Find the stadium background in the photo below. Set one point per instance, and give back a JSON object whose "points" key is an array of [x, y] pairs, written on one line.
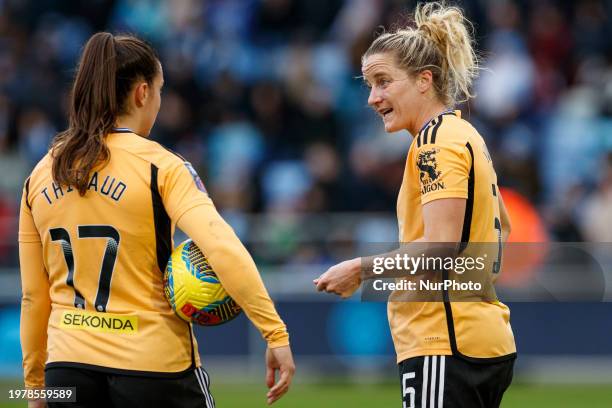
{"points": [[262, 96]]}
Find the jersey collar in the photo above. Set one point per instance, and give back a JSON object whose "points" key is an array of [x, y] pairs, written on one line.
{"points": [[122, 130], [446, 112]]}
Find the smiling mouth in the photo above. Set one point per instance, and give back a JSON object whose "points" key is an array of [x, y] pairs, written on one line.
{"points": [[385, 112]]}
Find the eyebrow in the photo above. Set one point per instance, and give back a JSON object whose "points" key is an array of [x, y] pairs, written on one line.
{"points": [[379, 74], [375, 76]]}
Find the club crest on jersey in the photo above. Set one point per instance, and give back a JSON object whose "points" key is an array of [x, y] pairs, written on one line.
{"points": [[196, 178], [428, 171]]}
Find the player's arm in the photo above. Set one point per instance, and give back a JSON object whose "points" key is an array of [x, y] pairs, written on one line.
{"points": [[235, 268], [239, 276], [505, 220], [187, 202], [443, 219], [443, 225], [35, 300], [443, 212]]}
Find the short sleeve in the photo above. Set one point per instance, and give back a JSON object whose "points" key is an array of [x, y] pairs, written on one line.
{"points": [[182, 190], [443, 171], [27, 228]]}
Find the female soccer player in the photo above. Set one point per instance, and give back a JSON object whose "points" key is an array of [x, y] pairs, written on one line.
{"points": [[450, 354], [96, 223]]}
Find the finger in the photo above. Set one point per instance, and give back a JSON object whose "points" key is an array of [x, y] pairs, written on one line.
{"points": [[321, 285], [345, 293], [329, 288], [283, 382], [278, 391], [287, 375], [280, 384], [273, 398], [270, 376]]}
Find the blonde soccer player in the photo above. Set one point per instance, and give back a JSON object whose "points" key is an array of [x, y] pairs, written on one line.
{"points": [[450, 354]]}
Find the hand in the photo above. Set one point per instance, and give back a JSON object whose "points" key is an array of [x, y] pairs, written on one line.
{"points": [[342, 279], [281, 359], [37, 403]]}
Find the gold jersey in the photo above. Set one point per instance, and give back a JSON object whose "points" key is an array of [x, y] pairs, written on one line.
{"points": [[99, 260], [449, 159]]}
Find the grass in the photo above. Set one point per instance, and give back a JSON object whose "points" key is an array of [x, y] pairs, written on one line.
{"points": [[388, 395], [339, 395]]}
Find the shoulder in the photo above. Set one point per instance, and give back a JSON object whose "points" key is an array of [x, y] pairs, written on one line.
{"points": [[446, 131], [146, 149], [448, 139], [449, 134], [164, 157], [454, 129], [42, 168]]}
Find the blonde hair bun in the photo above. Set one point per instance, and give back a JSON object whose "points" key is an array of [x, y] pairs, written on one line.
{"points": [[440, 40]]}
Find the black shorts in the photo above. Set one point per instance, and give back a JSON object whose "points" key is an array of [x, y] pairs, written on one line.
{"points": [[97, 389], [453, 382]]}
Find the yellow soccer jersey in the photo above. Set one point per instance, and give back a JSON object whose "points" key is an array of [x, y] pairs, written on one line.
{"points": [[449, 159], [103, 257]]}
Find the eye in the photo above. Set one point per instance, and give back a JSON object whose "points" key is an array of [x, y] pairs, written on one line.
{"points": [[384, 82]]}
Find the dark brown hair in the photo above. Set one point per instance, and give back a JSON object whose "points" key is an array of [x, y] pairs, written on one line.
{"points": [[108, 68]]}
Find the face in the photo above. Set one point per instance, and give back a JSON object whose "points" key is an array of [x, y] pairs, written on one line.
{"points": [[146, 103], [394, 94], [151, 102]]}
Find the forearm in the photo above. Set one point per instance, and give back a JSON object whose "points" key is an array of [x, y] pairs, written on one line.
{"points": [[236, 270], [419, 248], [35, 310], [33, 334]]}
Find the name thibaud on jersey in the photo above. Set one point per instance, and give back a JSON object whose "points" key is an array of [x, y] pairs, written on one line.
{"points": [[110, 187]]}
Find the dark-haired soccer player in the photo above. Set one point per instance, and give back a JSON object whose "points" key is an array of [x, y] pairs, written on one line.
{"points": [[96, 223]]}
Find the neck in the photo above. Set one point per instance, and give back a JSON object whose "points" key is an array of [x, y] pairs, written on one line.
{"points": [[129, 122], [428, 112]]}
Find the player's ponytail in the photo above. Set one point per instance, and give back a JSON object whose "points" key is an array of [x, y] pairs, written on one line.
{"points": [[108, 67], [439, 40]]}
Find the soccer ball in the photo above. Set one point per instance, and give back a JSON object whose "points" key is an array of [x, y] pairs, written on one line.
{"points": [[194, 291]]}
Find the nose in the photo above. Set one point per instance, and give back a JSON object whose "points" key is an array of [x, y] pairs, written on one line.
{"points": [[374, 98]]}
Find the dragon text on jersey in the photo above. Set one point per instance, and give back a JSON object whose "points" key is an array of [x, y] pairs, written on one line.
{"points": [[429, 173], [106, 185]]}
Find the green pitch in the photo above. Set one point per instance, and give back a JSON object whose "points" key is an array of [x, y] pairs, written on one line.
{"points": [[387, 395]]}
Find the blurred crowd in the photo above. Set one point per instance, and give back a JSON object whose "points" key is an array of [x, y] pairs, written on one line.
{"points": [[264, 98]]}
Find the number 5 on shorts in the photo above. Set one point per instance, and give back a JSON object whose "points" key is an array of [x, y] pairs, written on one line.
{"points": [[408, 393]]}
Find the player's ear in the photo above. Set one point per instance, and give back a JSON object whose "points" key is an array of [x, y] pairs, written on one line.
{"points": [[141, 93], [424, 80]]}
